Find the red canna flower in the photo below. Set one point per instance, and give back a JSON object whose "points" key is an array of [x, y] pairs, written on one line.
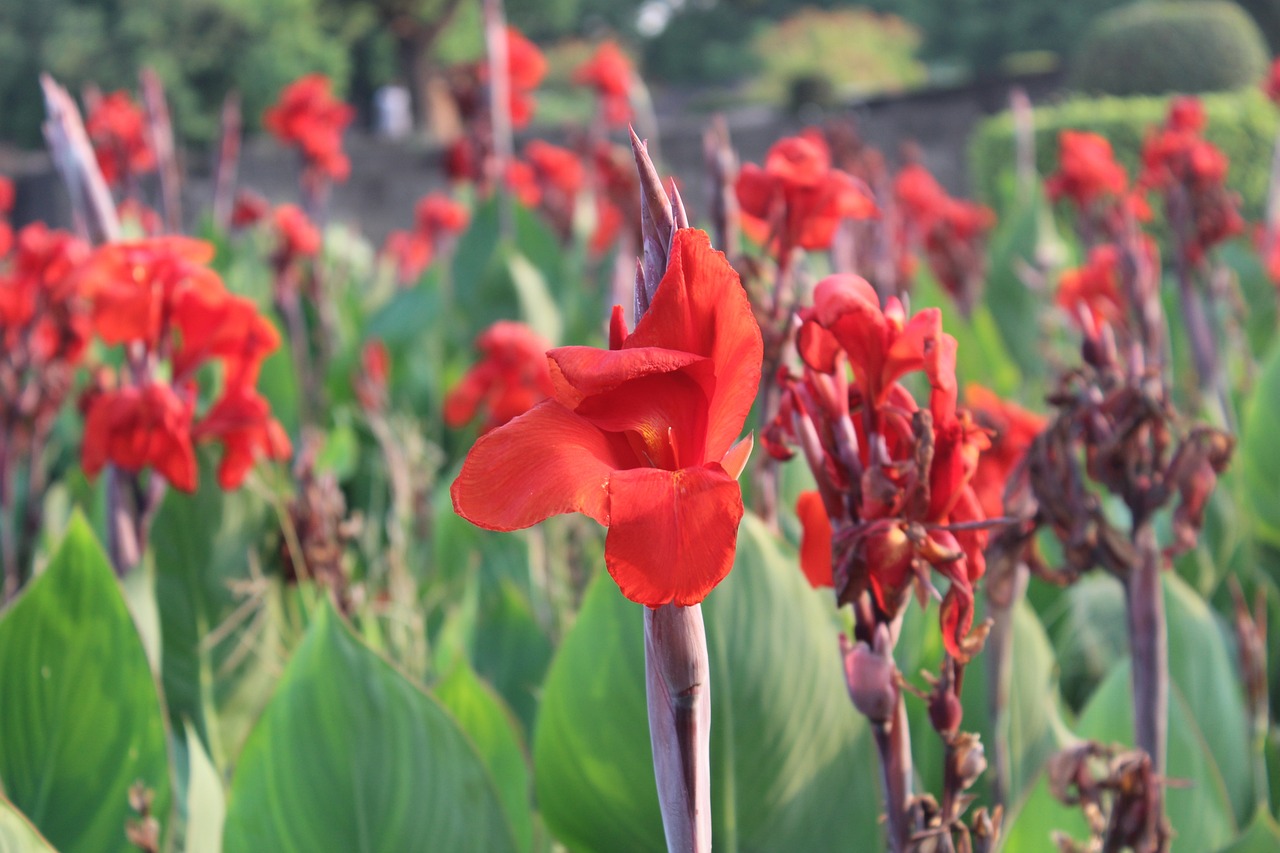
{"points": [[1094, 289], [640, 438], [918, 193], [881, 344], [136, 427], [220, 325], [509, 380], [1012, 429], [411, 253], [526, 66], [136, 215], [241, 420], [558, 170], [132, 285], [797, 199], [1087, 169], [310, 118], [250, 208], [118, 130], [438, 215], [523, 183], [298, 237], [610, 73]]}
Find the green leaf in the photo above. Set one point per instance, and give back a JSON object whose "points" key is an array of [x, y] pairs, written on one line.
{"points": [[201, 543], [489, 723], [1201, 813], [81, 719], [792, 764], [206, 800], [1032, 821], [1258, 456], [407, 313], [350, 755], [17, 835], [1262, 836]]}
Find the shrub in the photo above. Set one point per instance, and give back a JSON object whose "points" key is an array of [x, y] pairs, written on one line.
{"points": [[1154, 48], [1242, 124]]}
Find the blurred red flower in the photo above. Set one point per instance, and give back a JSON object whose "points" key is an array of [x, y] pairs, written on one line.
{"points": [[250, 208], [640, 438], [241, 420], [526, 66], [1271, 85], [511, 378], [1094, 289], [217, 324], [1087, 169], [298, 237], [136, 427], [438, 215], [1012, 429], [797, 199], [310, 118], [609, 72], [118, 129]]}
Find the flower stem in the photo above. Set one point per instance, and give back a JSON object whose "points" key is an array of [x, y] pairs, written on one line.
{"points": [[1149, 648], [893, 741], [999, 653], [678, 687]]}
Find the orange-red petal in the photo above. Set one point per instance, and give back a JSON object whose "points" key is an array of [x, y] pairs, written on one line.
{"points": [[672, 534], [546, 462], [815, 545]]}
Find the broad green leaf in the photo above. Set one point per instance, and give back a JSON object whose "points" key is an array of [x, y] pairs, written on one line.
{"points": [[206, 800], [407, 313], [1202, 666], [537, 307], [1262, 836], [793, 767], [1201, 812], [17, 835], [200, 544], [81, 719], [1087, 623], [1258, 456], [1032, 821], [493, 729], [350, 755]]}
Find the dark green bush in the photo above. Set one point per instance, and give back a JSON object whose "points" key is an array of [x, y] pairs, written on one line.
{"points": [[1153, 48], [1266, 14], [1242, 124]]}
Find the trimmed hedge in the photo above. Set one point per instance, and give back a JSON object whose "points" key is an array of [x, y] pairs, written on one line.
{"points": [[1242, 124], [1154, 48]]}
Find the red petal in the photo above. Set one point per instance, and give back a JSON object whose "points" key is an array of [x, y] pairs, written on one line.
{"points": [[700, 307], [736, 459], [673, 533], [546, 462], [755, 191], [815, 546], [580, 372]]}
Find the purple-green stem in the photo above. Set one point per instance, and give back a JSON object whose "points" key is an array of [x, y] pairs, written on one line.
{"points": [[678, 686], [893, 742], [676, 665], [228, 160], [161, 133], [495, 37], [1149, 653]]}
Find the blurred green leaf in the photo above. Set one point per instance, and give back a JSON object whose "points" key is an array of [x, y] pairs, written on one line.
{"points": [[206, 800], [1201, 813], [349, 755], [489, 723], [340, 453], [1033, 820], [17, 835], [1262, 836], [792, 763], [411, 310], [81, 720], [1258, 455]]}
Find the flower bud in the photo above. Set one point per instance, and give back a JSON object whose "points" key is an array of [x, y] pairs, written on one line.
{"points": [[872, 680]]}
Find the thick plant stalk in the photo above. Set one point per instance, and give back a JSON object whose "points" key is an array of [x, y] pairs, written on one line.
{"points": [[678, 686], [228, 160], [161, 130], [92, 208], [495, 37], [999, 652], [1149, 652], [676, 665]]}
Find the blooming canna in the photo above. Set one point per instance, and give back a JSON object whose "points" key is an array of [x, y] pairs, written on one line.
{"points": [[639, 437]]}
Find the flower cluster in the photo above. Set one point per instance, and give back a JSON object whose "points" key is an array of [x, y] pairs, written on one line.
{"points": [[309, 118], [118, 129], [549, 178], [639, 437], [159, 300], [1191, 172], [44, 330], [437, 220], [894, 480], [950, 231], [797, 199], [609, 72], [526, 66], [510, 379]]}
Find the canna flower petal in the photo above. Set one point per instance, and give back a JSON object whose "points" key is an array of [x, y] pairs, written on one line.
{"points": [[546, 462], [672, 534], [701, 308], [815, 544]]}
